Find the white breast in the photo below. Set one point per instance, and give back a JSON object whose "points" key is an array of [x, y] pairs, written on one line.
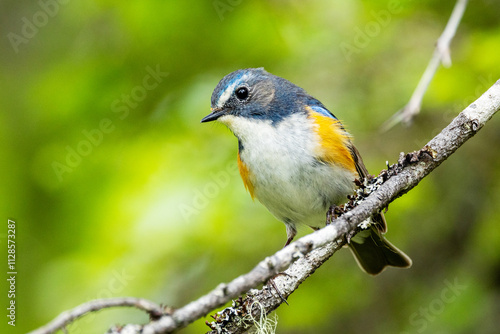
{"points": [[287, 178]]}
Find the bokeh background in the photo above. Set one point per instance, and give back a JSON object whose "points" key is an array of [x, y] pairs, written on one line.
{"points": [[118, 190]]}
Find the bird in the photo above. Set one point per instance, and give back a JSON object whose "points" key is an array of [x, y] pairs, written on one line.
{"points": [[297, 159]]}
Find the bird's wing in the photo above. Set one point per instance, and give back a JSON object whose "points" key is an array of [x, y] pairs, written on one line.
{"points": [[379, 219]]}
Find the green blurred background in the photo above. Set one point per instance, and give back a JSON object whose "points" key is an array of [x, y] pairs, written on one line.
{"points": [[118, 190]]}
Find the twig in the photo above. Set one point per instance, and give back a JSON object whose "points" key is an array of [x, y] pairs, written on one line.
{"points": [[309, 252], [69, 316], [441, 55]]}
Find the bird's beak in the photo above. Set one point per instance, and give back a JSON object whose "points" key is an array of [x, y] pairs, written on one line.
{"points": [[214, 115]]}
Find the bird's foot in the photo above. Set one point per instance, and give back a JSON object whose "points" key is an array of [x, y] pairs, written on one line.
{"points": [[333, 213]]}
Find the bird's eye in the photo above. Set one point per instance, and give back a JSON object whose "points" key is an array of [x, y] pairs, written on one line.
{"points": [[242, 93]]}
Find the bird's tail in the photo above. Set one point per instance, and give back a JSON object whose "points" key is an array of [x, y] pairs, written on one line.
{"points": [[373, 252]]}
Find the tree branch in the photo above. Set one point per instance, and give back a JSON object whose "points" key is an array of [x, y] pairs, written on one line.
{"points": [[305, 255], [69, 316], [441, 55]]}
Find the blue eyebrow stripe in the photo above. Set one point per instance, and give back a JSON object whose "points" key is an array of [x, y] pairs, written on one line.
{"points": [[238, 75]]}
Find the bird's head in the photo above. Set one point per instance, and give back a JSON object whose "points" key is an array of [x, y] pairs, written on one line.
{"points": [[255, 94]]}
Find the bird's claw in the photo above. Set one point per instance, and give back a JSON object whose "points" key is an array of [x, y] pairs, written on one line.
{"points": [[333, 213]]}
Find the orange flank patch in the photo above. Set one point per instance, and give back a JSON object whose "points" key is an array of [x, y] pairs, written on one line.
{"points": [[245, 176], [334, 141]]}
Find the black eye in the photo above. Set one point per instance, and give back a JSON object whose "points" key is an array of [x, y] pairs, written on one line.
{"points": [[242, 93]]}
